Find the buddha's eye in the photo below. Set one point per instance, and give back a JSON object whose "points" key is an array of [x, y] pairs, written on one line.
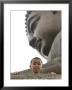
{"points": [[32, 23]]}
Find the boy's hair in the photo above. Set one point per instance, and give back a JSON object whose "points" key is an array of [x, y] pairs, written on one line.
{"points": [[35, 58]]}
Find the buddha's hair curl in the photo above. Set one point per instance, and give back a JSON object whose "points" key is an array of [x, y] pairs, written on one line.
{"points": [[26, 17]]}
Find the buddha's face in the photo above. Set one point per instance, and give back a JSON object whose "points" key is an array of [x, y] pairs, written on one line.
{"points": [[42, 28]]}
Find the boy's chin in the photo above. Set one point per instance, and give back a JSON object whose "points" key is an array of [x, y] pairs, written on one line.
{"points": [[36, 71]]}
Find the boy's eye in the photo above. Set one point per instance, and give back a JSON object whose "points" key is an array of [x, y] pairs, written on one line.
{"points": [[36, 63]]}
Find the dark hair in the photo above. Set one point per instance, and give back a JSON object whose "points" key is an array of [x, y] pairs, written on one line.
{"points": [[35, 58]]}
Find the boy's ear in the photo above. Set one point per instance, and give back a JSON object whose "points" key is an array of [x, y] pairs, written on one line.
{"points": [[30, 66]]}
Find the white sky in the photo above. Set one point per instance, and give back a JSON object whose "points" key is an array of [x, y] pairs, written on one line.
{"points": [[21, 52]]}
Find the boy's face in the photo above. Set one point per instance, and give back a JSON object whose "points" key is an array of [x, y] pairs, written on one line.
{"points": [[36, 66]]}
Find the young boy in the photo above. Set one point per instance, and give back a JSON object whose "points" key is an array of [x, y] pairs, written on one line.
{"points": [[36, 65]]}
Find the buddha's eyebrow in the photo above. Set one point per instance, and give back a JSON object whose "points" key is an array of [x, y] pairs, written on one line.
{"points": [[30, 20]]}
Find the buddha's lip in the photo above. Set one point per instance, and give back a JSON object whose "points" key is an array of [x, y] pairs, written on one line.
{"points": [[38, 45]]}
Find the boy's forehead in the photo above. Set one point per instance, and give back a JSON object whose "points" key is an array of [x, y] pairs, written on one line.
{"points": [[36, 60]]}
